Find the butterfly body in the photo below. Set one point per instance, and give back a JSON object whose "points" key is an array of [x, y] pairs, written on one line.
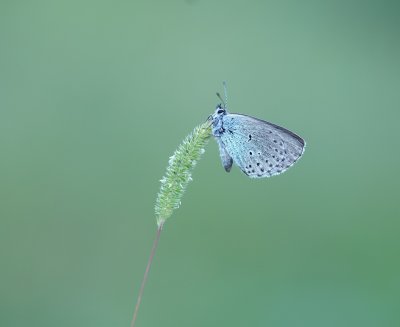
{"points": [[259, 148]]}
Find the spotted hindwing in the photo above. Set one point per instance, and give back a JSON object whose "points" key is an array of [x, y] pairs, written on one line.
{"points": [[260, 148]]}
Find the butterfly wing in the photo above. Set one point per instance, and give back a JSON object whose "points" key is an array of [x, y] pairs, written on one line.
{"points": [[260, 148], [225, 157]]}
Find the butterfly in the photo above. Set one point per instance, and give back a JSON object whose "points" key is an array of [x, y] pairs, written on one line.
{"points": [[259, 148]]}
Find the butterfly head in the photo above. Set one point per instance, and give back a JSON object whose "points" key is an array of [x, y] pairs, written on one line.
{"points": [[217, 119], [220, 110]]}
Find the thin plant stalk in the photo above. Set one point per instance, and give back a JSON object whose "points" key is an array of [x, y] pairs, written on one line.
{"points": [[146, 274], [173, 185]]}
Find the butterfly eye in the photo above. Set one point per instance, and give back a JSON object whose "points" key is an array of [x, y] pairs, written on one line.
{"points": [[220, 111]]}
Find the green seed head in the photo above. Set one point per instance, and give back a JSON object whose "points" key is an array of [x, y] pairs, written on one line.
{"points": [[178, 174]]}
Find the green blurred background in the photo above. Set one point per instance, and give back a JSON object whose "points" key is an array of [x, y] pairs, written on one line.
{"points": [[96, 95]]}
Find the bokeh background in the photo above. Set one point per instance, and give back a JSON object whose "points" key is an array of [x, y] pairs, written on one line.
{"points": [[96, 95]]}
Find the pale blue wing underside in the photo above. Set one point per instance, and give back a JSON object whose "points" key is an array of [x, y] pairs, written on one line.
{"points": [[259, 148]]}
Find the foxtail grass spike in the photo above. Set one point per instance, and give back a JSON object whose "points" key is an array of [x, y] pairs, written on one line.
{"points": [[178, 174]]}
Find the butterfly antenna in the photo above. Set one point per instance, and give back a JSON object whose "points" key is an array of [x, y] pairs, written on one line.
{"points": [[225, 103], [219, 97], [225, 93]]}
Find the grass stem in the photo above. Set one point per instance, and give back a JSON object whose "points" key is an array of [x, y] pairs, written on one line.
{"points": [[146, 274]]}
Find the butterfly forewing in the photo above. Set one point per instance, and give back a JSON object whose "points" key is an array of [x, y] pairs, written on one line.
{"points": [[260, 148]]}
